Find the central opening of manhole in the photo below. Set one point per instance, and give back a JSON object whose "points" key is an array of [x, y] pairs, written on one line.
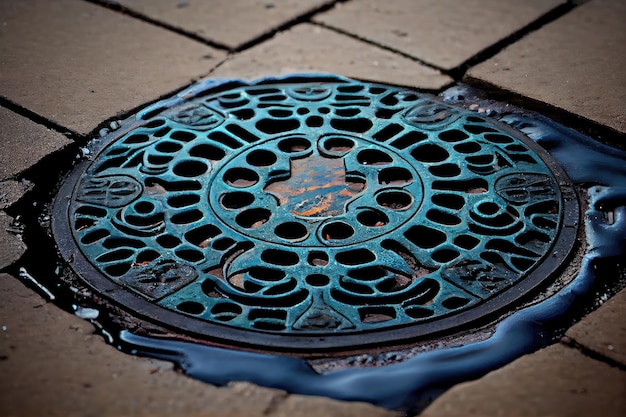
{"points": [[308, 214]]}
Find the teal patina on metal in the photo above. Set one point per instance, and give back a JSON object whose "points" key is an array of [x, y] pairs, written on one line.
{"points": [[299, 213]]}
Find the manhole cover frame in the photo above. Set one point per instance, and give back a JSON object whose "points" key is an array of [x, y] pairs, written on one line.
{"points": [[545, 269]]}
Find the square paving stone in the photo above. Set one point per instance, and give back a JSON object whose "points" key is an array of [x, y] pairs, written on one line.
{"points": [[604, 330], [444, 33], [310, 48], [11, 246], [227, 22], [576, 63], [556, 381], [24, 143], [78, 64]]}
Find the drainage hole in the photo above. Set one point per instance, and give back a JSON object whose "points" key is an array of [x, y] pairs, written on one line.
{"points": [[396, 176], [443, 218], [201, 236], [143, 207], [293, 145], [453, 135], [182, 135], [187, 217], [190, 255], [372, 218], [444, 255], [168, 241], [394, 200], [445, 170], [236, 200], [452, 201], [190, 307], [373, 157], [207, 152], [355, 257], [337, 230], [488, 208], [167, 146], [314, 121], [280, 257], [252, 218], [115, 255], [291, 231], [241, 177], [418, 312], [453, 303], [183, 200], [94, 236], [376, 314], [117, 270], [466, 241], [136, 138], [317, 280], [338, 145], [430, 153], [498, 138], [226, 311], [261, 158], [190, 169], [317, 258], [223, 243], [266, 274], [147, 255]]}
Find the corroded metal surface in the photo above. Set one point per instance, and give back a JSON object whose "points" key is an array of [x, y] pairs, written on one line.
{"points": [[301, 213]]}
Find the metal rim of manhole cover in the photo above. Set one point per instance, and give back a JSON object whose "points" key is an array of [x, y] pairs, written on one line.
{"points": [[313, 213]]}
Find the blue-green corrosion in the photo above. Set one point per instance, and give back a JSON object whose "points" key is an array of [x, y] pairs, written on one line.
{"points": [[321, 206], [414, 382]]}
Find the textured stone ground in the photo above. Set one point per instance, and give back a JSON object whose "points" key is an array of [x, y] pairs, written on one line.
{"points": [[67, 66]]}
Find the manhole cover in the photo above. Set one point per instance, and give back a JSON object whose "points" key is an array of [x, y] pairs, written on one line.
{"points": [[315, 213]]}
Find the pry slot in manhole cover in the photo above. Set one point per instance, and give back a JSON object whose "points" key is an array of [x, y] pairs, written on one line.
{"points": [[315, 213]]}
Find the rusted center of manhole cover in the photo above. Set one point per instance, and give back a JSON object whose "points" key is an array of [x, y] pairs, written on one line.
{"points": [[314, 214]]}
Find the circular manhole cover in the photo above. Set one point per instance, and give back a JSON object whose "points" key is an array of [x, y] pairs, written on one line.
{"points": [[308, 214]]}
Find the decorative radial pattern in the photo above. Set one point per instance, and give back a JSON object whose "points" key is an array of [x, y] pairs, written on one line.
{"points": [[316, 207]]}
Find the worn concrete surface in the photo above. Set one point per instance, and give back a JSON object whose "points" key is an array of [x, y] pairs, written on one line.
{"points": [[310, 48], [576, 63], [24, 143], [575, 386], [604, 330], [11, 246], [53, 364], [12, 191], [443, 33], [226, 22], [78, 63]]}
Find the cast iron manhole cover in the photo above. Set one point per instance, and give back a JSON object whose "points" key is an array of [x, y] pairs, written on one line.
{"points": [[315, 213]]}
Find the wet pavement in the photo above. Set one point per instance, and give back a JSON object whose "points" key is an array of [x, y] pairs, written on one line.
{"points": [[69, 70]]}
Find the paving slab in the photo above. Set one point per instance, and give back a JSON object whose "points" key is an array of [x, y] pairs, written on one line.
{"points": [[604, 330], [24, 142], [576, 63], [78, 63], [11, 246], [444, 33], [556, 381], [53, 364], [310, 48], [226, 22], [12, 191]]}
